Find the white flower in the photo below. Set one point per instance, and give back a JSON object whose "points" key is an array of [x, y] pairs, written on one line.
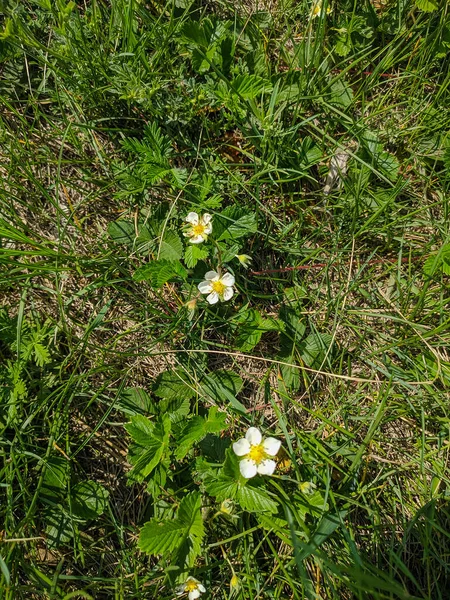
{"points": [[244, 259], [256, 453], [193, 587], [199, 227], [317, 9], [219, 287]]}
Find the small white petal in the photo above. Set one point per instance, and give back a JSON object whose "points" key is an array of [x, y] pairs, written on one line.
{"points": [[207, 218], [197, 239], [253, 436], [227, 279], [201, 588], [212, 276], [205, 287], [248, 468], [213, 298], [271, 446], [228, 293], [192, 218], [208, 229], [194, 594], [266, 467], [241, 447]]}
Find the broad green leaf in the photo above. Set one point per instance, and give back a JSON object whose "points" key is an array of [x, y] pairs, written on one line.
{"points": [[173, 385], [388, 164], [221, 386], [194, 253], [159, 272], [250, 86], [56, 477], [88, 499], [427, 5], [234, 223], [151, 443], [135, 401], [122, 232], [255, 499], [181, 536], [197, 428], [341, 94], [171, 248], [59, 528], [314, 348]]}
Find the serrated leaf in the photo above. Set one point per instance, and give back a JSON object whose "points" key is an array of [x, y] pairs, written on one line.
{"points": [[122, 232], [181, 536], [223, 385], [194, 253], [159, 272], [88, 499], [250, 86], [427, 5], [244, 225], [151, 444], [173, 385], [135, 401], [197, 428], [255, 499], [314, 348], [171, 248]]}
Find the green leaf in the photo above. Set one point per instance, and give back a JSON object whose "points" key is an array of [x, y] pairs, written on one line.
{"points": [[255, 499], [341, 94], [388, 164], [197, 428], [56, 477], [223, 385], [427, 5], [122, 232], [159, 272], [135, 401], [438, 261], [171, 248], [59, 529], [250, 86], [181, 536], [151, 444], [194, 253], [314, 348], [173, 385], [88, 499], [234, 223]]}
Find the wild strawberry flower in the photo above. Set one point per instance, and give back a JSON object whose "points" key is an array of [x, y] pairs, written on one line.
{"points": [[317, 9], [218, 287], [257, 453], [199, 227], [192, 587]]}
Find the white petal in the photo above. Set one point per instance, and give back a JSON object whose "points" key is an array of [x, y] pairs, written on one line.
{"points": [[227, 279], [201, 588], [197, 239], [248, 468], [266, 467], [194, 594], [228, 293], [205, 287], [213, 298], [212, 275], [208, 229], [271, 446], [253, 436], [192, 218], [241, 447], [207, 218]]}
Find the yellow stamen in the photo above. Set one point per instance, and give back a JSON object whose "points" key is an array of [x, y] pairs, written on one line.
{"points": [[218, 287], [198, 229], [191, 586], [257, 453]]}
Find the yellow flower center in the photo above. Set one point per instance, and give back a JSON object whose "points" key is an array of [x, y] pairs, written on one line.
{"points": [[257, 453], [191, 586], [218, 287], [198, 229]]}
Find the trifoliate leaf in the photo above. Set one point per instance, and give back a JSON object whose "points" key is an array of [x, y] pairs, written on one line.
{"points": [[151, 441], [88, 499], [197, 428]]}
